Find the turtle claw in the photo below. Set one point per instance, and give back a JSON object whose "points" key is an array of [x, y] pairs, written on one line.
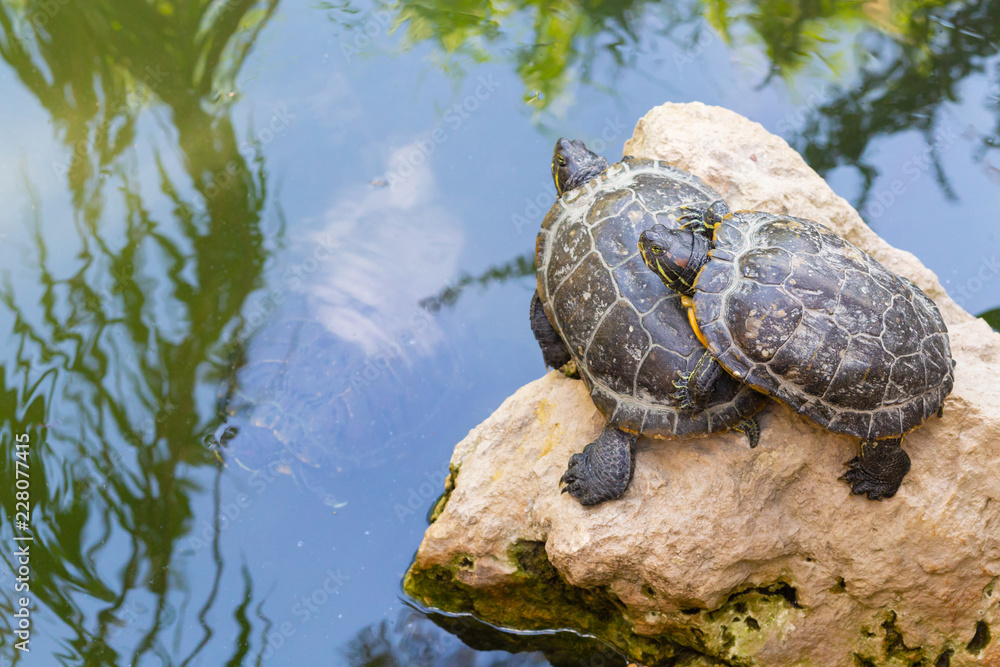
{"points": [[586, 484], [682, 397], [863, 483], [602, 470], [581, 482], [693, 390], [569, 476], [749, 427], [702, 218], [880, 476], [695, 217]]}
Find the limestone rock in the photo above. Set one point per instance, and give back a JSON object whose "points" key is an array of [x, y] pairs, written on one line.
{"points": [[722, 553]]}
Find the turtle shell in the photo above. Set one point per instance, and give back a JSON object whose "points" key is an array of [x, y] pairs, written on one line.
{"points": [[807, 317], [629, 335]]}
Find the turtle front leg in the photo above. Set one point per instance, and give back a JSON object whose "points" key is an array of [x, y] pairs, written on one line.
{"points": [[603, 470], [879, 470], [554, 350], [693, 390], [703, 218]]}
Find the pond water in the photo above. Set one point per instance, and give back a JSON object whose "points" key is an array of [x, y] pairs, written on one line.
{"points": [[264, 262]]}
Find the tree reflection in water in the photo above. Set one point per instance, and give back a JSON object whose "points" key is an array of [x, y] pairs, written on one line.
{"points": [[129, 332], [874, 68]]}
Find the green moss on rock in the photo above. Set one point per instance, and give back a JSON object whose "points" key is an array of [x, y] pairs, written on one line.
{"points": [[888, 647], [536, 597]]}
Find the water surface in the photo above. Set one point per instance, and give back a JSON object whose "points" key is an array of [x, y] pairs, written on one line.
{"points": [[266, 262]]}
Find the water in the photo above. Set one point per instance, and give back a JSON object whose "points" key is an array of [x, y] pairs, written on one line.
{"points": [[265, 263]]}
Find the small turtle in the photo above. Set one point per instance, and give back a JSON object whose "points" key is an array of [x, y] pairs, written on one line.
{"points": [[599, 306], [797, 312]]}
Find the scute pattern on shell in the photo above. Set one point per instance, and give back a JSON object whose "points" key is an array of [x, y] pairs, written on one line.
{"points": [[802, 314], [628, 334]]}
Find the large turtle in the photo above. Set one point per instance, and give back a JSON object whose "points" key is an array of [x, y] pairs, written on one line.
{"points": [[598, 305], [794, 310]]}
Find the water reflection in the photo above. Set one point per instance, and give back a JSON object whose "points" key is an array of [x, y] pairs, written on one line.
{"points": [[551, 45], [331, 381], [913, 73], [437, 640], [888, 68], [394, 246], [992, 317], [111, 366], [521, 266], [795, 36]]}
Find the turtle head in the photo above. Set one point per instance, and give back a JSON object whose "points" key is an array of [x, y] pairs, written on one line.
{"points": [[573, 165], [676, 255]]}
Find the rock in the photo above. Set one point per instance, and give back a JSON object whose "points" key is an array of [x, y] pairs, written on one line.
{"points": [[722, 553]]}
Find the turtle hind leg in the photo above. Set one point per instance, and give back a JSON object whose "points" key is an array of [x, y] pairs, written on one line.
{"points": [[694, 389], [554, 350], [749, 427], [879, 470], [603, 470]]}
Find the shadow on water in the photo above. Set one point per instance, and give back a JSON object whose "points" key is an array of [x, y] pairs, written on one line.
{"points": [[108, 369]]}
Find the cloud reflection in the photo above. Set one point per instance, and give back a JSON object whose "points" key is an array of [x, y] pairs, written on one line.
{"points": [[395, 245]]}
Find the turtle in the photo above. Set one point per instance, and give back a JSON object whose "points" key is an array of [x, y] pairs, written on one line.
{"points": [[792, 309], [597, 305]]}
